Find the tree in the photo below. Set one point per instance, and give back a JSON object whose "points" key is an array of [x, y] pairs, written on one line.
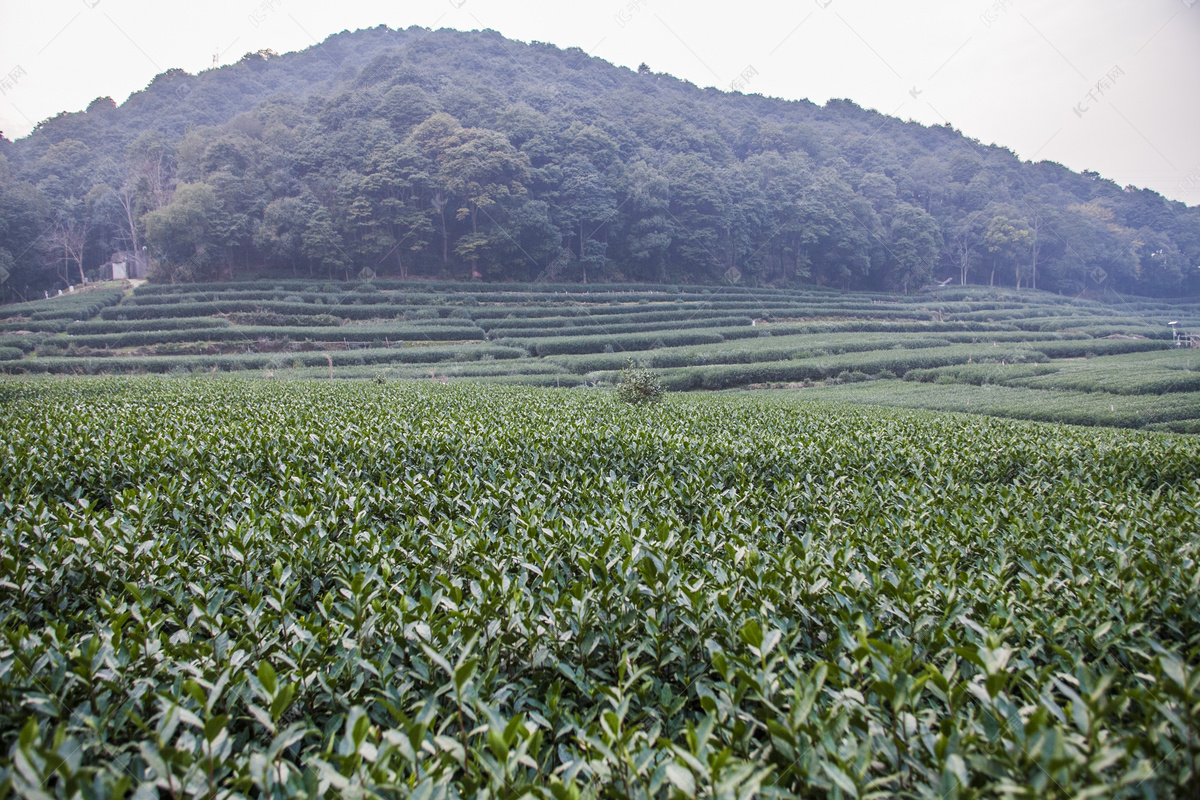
{"points": [[433, 139], [588, 203], [281, 235], [67, 240], [461, 150], [150, 165], [696, 210], [1006, 238], [963, 239], [130, 202], [646, 234], [24, 219], [180, 231], [405, 107], [914, 245], [481, 169], [320, 243], [391, 192]]}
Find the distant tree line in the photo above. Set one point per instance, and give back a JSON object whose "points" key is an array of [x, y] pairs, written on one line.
{"points": [[459, 155]]}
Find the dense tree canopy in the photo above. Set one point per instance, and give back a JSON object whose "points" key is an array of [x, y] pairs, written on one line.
{"points": [[416, 153]]}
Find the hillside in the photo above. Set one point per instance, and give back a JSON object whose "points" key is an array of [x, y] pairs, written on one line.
{"points": [[451, 155], [1029, 355]]}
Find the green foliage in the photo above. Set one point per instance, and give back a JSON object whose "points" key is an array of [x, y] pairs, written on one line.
{"points": [[96, 363], [639, 386], [248, 334], [602, 324], [77, 305], [1179, 410], [99, 326], [465, 155], [328, 589], [567, 335]]}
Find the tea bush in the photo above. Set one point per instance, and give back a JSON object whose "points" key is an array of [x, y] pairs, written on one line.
{"points": [[639, 387], [224, 588]]}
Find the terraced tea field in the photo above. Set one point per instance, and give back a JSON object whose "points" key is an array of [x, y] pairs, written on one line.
{"points": [[232, 587], [693, 337]]}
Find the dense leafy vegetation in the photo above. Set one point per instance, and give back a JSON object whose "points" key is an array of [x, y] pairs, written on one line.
{"points": [[639, 386], [448, 154], [688, 337], [418, 591]]}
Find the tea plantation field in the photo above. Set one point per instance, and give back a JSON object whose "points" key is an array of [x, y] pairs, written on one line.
{"points": [[221, 588], [720, 337]]}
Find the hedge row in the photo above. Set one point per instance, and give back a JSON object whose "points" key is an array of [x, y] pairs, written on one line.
{"points": [[865, 326], [1161, 383], [1100, 347], [621, 342], [979, 374], [585, 318], [393, 355], [1102, 331], [744, 352], [816, 369], [523, 315], [420, 285], [1058, 323], [559, 381], [79, 305], [508, 317], [442, 369], [35, 326], [360, 298], [574, 345], [29, 343], [347, 333], [212, 309], [99, 326], [630, 327]]}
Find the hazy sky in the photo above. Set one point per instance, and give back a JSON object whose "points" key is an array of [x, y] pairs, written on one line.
{"points": [[1106, 85]]}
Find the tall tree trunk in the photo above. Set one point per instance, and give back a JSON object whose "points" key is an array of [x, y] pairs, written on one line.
{"points": [[445, 237], [475, 236], [1034, 252], [582, 259]]}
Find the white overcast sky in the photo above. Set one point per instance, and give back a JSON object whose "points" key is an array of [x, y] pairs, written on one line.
{"points": [[1031, 76]]}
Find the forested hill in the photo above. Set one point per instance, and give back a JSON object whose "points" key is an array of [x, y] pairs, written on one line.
{"points": [[416, 153]]}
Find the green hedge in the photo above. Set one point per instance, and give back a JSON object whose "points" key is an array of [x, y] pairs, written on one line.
{"points": [[622, 342], [11, 353], [526, 315], [213, 309], [592, 317], [750, 351], [35, 326], [1099, 347], [817, 369], [29, 343], [391, 355], [631, 327], [979, 374], [102, 326], [345, 333], [77, 305], [308, 299]]}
